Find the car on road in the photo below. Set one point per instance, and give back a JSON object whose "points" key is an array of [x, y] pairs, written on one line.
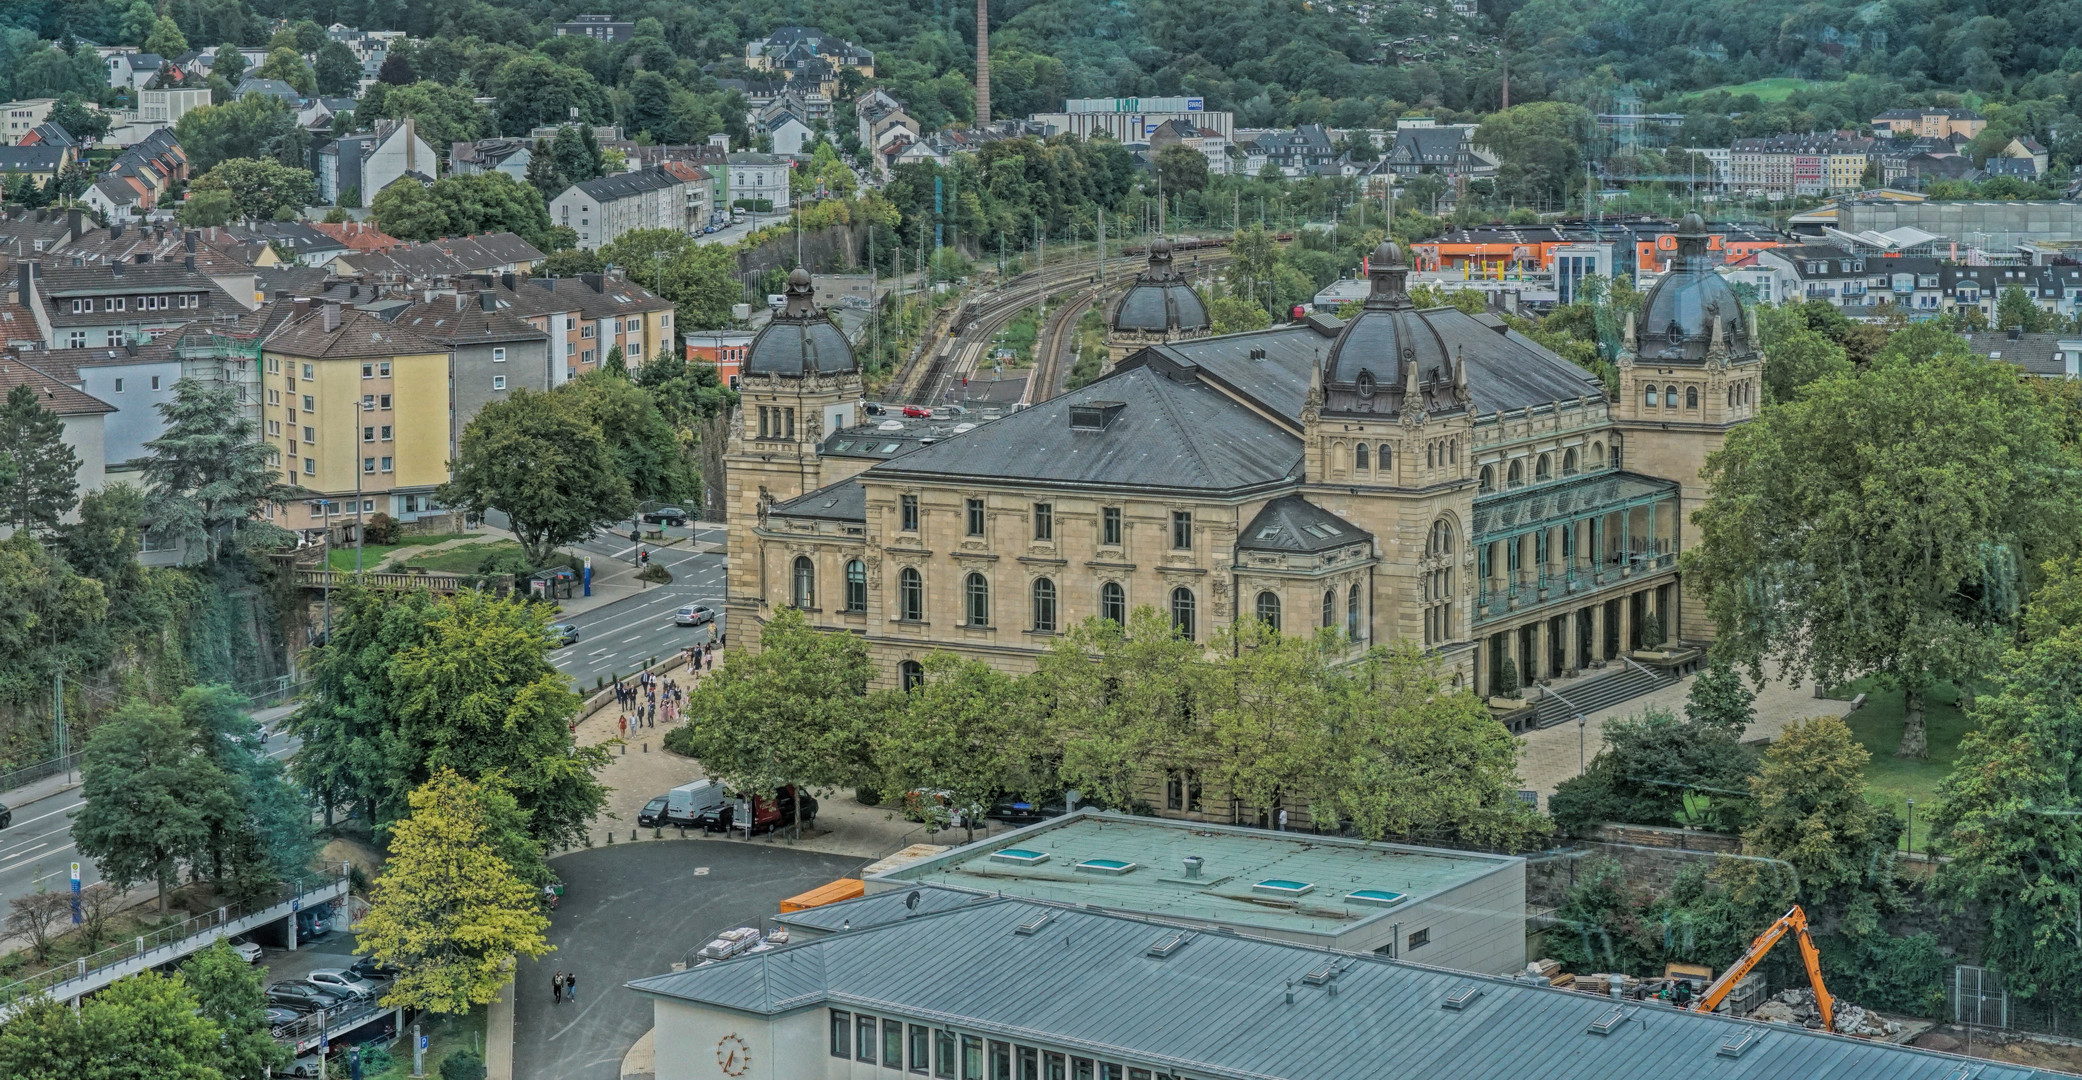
{"points": [[562, 634], [666, 515], [304, 997], [372, 969], [918, 412], [1019, 810], [6, 817], [342, 981], [248, 951], [694, 615], [653, 813]]}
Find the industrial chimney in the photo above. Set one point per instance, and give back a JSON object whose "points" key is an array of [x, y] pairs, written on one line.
{"points": [[982, 62]]}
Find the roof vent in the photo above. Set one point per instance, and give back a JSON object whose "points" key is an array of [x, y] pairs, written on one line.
{"points": [[1736, 1045], [1284, 887], [1258, 353], [1029, 927], [1021, 856], [890, 425], [1375, 897], [1109, 867], [1608, 1023], [1170, 943], [1193, 865], [1321, 975], [1095, 415], [1461, 998]]}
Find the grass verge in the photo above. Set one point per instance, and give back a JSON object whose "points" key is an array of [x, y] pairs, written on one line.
{"points": [[1892, 781]]}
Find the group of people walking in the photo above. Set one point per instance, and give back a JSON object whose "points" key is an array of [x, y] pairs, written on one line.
{"points": [[562, 985], [646, 699]]}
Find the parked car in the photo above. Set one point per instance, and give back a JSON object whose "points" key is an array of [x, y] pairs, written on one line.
{"points": [[1018, 810], [653, 813], [667, 515], [918, 412], [6, 817], [562, 634], [304, 997], [308, 1067], [342, 981], [247, 951], [279, 1017], [372, 969], [694, 615], [766, 812], [693, 803]]}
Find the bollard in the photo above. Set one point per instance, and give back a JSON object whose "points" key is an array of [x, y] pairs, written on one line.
{"points": [[657, 834], [646, 748], [625, 749], [632, 834], [683, 832], [589, 839], [610, 838]]}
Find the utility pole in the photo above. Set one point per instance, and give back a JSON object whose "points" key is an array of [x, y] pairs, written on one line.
{"points": [[58, 713], [358, 409]]}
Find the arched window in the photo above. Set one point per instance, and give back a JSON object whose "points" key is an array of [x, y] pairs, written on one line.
{"points": [[1113, 603], [856, 585], [1648, 397], [1352, 614], [1044, 606], [1731, 397], [976, 599], [1568, 462], [1544, 469], [1452, 451], [1691, 397], [1329, 608], [1384, 458], [910, 674], [1359, 457], [805, 591], [910, 588], [1431, 455], [1597, 455], [1182, 612], [1269, 609], [1517, 474], [1441, 542], [1487, 482], [1670, 396]]}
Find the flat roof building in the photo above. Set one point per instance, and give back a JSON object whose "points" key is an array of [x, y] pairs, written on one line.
{"points": [[1457, 909], [1072, 994]]}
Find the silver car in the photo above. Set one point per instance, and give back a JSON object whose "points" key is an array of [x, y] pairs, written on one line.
{"points": [[342, 981]]}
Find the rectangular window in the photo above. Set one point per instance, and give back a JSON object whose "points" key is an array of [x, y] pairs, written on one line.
{"points": [[310, 467], [921, 1049], [368, 464], [308, 406], [499, 355], [274, 365], [310, 435], [892, 1044], [274, 427], [841, 1034], [386, 433], [386, 465], [975, 516], [1138, 1074], [383, 401], [368, 434], [1420, 938], [1081, 1069], [368, 401], [1000, 1061], [908, 507], [943, 1054], [77, 339], [368, 371], [1052, 1067], [1110, 526], [383, 370], [1182, 530], [864, 1038], [498, 382], [1044, 521], [155, 382], [1029, 1063], [1109, 1071], [971, 1058], [307, 371], [119, 386]]}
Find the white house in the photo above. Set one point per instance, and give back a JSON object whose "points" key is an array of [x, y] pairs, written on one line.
{"points": [[759, 177], [602, 209], [367, 162]]}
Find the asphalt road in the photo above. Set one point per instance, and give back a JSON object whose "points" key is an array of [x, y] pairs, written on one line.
{"points": [[632, 911], [37, 850], [621, 637]]}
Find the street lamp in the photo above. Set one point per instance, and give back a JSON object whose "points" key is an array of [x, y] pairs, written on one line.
{"points": [[1582, 724], [1912, 827]]}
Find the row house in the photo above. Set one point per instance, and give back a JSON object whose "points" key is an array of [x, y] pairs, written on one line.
{"points": [[1800, 164], [601, 209], [586, 317]]}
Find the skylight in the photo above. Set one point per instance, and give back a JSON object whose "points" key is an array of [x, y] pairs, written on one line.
{"points": [[1021, 856], [1114, 867], [1375, 897], [1284, 887]]}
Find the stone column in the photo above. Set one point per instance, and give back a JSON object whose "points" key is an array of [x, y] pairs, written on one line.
{"points": [[1540, 649], [1597, 630]]}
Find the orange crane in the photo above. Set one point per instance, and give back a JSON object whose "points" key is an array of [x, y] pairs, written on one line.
{"points": [[1792, 922]]}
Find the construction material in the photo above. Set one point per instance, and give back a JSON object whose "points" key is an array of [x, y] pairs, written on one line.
{"points": [[1792, 922], [1798, 1006], [830, 892]]}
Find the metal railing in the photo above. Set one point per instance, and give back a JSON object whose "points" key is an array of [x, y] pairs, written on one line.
{"points": [[168, 940], [29, 774]]}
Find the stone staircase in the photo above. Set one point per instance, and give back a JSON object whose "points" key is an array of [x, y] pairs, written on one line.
{"points": [[1621, 681]]}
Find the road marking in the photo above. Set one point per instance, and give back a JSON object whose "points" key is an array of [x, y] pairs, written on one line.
{"points": [[627, 640], [595, 652], [10, 866]]}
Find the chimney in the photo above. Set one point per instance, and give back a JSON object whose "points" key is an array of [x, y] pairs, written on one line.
{"points": [[25, 283], [332, 316], [189, 240], [115, 232], [982, 62], [506, 281], [488, 300], [115, 268], [141, 258], [411, 145], [188, 261], [75, 220]]}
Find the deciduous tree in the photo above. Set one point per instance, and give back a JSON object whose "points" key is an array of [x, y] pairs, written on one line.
{"points": [[36, 917], [228, 993], [966, 731], [151, 795], [547, 469], [787, 714], [1811, 813], [145, 1027], [337, 70], [260, 187]]}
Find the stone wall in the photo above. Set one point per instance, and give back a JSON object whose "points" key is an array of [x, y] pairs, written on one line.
{"points": [[1651, 857]]}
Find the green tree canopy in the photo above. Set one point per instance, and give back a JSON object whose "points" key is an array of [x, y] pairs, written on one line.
{"points": [[146, 1027], [151, 797], [228, 993], [545, 467], [788, 714], [646, 449], [39, 467], [260, 188], [208, 473]]}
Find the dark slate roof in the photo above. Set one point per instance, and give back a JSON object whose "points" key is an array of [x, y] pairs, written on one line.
{"points": [[1160, 300], [627, 185], [33, 159], [843, 501], [50, 392], [1216, 1006], [357, 335], [1291, 523], [1278, 380], [881, 909], [1678, 314], [799, 340], [464, 320], [1172, 432], [2035, 353]]}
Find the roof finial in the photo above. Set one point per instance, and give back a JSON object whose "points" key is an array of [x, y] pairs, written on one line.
{"points": [[1628, 339]]}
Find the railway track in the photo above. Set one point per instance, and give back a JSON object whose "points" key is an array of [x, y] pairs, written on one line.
{"points": [[1060, 333]]}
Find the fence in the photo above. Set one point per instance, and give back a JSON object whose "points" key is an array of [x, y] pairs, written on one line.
{"points": [[1977, 996], [29, 774]]}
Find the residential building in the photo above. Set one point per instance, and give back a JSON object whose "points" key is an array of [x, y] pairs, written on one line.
{"points": [[880, 118], [2026, 148], [27, 234], [365, 163], [359, 235], [299, 241], [2055, 289], [723, 348], [1300, 151], [785, 132], [219, 256], [1250, 474], [699, 186], [1800, 164], [1130, 120], [102, 305], [491, 353], [440, 262], [40, 163], [49, 134], [509, 156], [1466, 908], [117, 199], [132, 70], [601, 28], [601, 209], [1930, 122], [168, 106], [1723, 159], [1441, 149], [797, 50], [22, 117], [274, 88], [82, 416], [358, 410], [2047, 356], [1007, 986], [318, 115], [586, 316], [759, 178], [1863, 282], [155, 163], [1211, 144]]}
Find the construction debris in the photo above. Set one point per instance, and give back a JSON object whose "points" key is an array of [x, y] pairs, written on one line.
{"points": [[1797, 1006]]}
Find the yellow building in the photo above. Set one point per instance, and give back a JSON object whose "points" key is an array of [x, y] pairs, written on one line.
{"points": [[359, 411]]}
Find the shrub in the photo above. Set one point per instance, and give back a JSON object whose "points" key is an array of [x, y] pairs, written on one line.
{"points": [[462, 1065], [380, 529]]}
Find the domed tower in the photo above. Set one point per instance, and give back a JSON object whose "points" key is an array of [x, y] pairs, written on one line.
{"points": [[1160, 307], [1689, 370], [799, 383]]}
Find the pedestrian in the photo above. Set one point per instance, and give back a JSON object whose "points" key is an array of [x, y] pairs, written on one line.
{"points": [[556, 988], [1283, 819], [571, 987], [625, 725]]}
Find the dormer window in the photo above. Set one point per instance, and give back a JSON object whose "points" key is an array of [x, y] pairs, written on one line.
{"points": [[1676, 332], [1366, 384]]}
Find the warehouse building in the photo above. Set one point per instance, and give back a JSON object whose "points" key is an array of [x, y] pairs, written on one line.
{"points": [[1455, 909], [1004, 988]]}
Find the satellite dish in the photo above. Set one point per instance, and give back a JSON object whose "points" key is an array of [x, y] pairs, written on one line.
{"points": [[911, 901]]}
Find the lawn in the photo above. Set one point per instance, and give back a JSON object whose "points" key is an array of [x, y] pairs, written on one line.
{"points": [[1892, 781], [462, 559], [1767, 90], [372, 555], [445, 1035], [1019, 336]]}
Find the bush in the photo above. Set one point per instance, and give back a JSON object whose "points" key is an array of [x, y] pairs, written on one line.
{"points": [[1646, 766], [757, 206], [505, 562], [1507, 682], [462, 1065], [680, 740], [655, 573], [380, 529]]}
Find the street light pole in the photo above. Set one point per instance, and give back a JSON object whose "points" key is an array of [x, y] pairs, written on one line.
{"points": [[1582, 724]]}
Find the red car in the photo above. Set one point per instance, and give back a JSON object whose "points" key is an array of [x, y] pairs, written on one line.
{"points": [[918, 412]]}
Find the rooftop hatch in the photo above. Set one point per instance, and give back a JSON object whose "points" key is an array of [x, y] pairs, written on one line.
{"points": [[1021, 856], [1374, 897]]}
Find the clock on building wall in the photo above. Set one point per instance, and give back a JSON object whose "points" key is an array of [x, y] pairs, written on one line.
{"points": [[732, 1055]]}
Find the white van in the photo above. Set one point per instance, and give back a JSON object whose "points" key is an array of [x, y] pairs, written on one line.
{"points": [[686, 802]]}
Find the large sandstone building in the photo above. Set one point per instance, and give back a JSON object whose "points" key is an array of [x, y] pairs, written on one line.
{"points": [[1409, 475]]}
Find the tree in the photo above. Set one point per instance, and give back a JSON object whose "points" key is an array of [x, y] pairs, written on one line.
{"points": [[255, 126], [166, 38], [576, 161], [288, 66], [1811, 812], [1235, 315], [42, 469], [35, 918], [82, 123], [150, 795], [2005, 815], [265, 836], [1120, 699], [260, 188], [1719, 698], [1796, 353], [411, 212], [51, 618], [145, 1027], [460, 205], [448, 910], [1650, 768], [646, 450], [2016, 311], [548, 470], [1878, 524], [229, 64], [396, 70], [1181, 168], [208, 473], [445, 114], [534, 91], [99, 903], [965, 731], [228, 993], [336, 70], [350, 706], [1539, 145], [542, 172], [203, 209], [787, 714]]}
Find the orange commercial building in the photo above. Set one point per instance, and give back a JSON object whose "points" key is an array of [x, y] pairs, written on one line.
{"points": [[723, 348]]}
